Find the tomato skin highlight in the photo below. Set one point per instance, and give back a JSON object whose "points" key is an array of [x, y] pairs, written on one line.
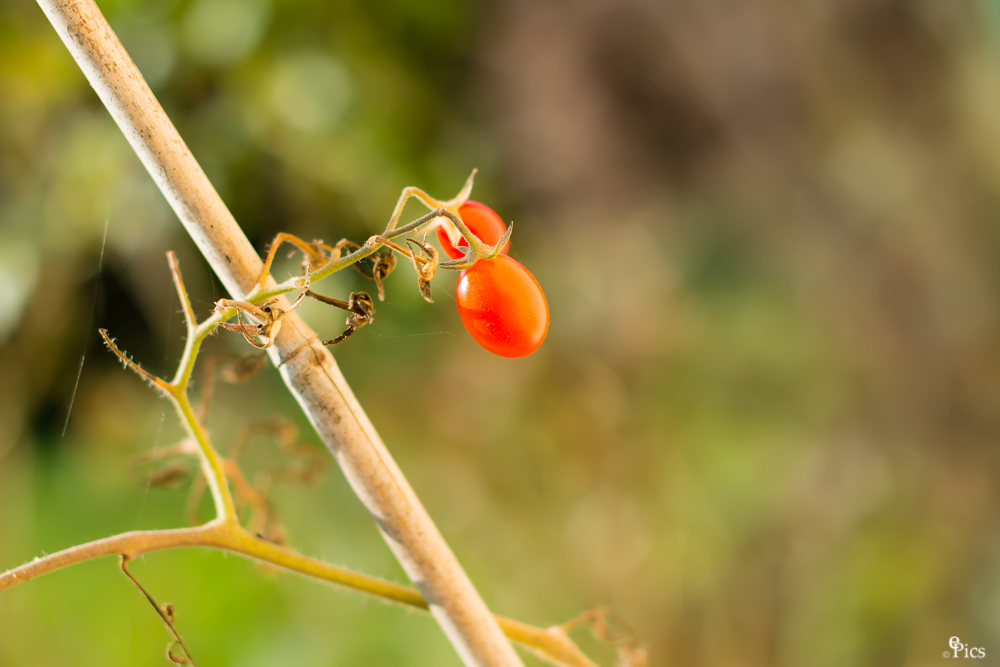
{"points": [[503, 307], [481, 221]]}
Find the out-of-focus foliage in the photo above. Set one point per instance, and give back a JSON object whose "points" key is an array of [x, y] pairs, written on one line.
{"points": [[764, 425]]}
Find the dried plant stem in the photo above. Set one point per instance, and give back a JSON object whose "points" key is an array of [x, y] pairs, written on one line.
{"points": [[306, 366], [165, 612], [550, 644]]}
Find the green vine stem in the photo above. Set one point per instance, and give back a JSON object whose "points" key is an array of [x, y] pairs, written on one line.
{"points": [[550, 644]]}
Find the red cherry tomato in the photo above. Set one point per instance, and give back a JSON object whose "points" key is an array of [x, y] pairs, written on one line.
{"points": [[481, 221], [503, 307]]}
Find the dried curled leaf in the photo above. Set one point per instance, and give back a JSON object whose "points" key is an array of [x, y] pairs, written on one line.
{"points": [[376, 267], [175, 654], [609, 627], [237, 369], [359, 304], [362, 310], [267, 314], [171, 475], [425, 267]]}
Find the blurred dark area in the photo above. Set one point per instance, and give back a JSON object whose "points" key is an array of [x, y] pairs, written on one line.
{"points": [[763, 427]]}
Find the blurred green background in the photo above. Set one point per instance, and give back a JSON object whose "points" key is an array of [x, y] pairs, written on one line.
{"points": [[764, 424]]}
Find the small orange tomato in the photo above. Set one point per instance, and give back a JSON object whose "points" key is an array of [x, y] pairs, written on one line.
{"points": [[503, 307], [481, 221]]}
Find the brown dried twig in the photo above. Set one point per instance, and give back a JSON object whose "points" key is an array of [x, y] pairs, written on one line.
{"points": [[166, 614]]}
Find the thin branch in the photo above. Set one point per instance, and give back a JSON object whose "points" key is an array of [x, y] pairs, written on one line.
{"points": [[153, 381], [165, 612], [549, 643], [312, 251], [131, 544], [391, 233], [335, 265], [211, 462], [442, 207], [404, 197], [175, 271]]}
